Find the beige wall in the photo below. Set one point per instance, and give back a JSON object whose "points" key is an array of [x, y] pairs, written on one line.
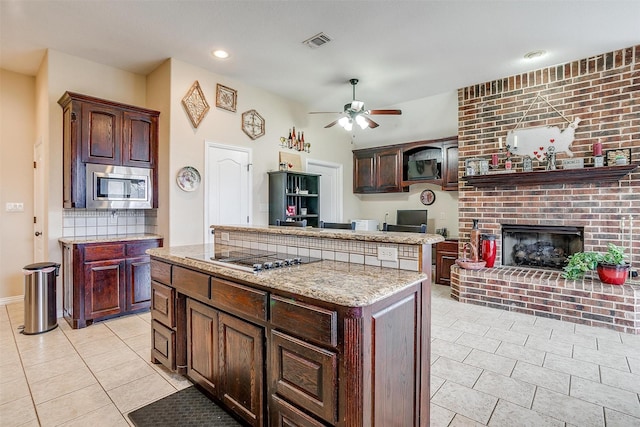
{"points": [[17, 139], [180, 214]]}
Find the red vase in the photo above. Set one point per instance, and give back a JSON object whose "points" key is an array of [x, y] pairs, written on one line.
{"points": [[489, 249]]}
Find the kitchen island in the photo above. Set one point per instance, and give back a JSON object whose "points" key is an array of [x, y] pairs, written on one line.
{"points": [[342, 341]]}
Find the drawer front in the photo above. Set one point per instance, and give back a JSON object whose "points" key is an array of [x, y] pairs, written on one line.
{"points": [[163, 345], [238, 299], [103, 252], [308, 321], [191, 283], [447, 246], [139, 248], [162, 304], [305, 375], [284, 414], [161, 271]]}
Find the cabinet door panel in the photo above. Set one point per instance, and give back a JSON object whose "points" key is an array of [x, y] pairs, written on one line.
{"points": [[163, 345], [104, 288], [241, 368], [388, 173], [138, 283], [101, 134], [364, 180], [202, 345], [450, 177], [305, 374], [162, 304], [139, 140]]}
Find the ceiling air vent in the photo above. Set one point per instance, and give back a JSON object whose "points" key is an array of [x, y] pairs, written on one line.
{"points": [[317, 40]]}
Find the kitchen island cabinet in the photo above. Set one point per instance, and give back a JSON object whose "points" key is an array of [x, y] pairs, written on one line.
{"points": [[327, 343]]}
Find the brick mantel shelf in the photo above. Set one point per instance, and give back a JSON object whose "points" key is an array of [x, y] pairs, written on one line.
{"points": [[559, 176]]}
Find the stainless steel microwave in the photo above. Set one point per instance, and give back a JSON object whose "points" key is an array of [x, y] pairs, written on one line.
{"points": [[118, 187]]}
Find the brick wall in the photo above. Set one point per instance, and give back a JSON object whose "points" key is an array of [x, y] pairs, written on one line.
{"points": [[604, 91]]}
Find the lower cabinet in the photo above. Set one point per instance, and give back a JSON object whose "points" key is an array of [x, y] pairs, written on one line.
{"points": [[446, 254], [225, 356], [103, 280]]}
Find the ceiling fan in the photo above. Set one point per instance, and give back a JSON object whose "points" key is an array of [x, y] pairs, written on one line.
{"points": [[354, 112]]}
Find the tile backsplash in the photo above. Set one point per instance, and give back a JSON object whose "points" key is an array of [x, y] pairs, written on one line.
{"points": [[108, 222]]}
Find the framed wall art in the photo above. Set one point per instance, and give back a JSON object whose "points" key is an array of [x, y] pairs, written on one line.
{"points": [[195, 104], [621, 156], [226, 98]]}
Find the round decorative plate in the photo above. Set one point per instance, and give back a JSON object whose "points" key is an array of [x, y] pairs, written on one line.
{"points": [[427, 197], [188, 178]]}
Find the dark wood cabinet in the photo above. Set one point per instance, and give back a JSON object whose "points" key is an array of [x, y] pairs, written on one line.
{"points": [[377, 170], [102, 280], [299, 361], [294, 195], [104, 132], [450, 170], [446, 254], [385, 169], [225, 357]]}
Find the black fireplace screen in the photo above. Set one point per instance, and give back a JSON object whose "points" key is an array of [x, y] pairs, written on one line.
{"points": [[540, 246]]}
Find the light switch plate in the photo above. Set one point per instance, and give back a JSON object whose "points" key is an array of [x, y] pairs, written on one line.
{"points": [[14, 207]]}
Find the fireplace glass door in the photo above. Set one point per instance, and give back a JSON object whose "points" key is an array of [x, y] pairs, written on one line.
{"points": [[540, 246]]}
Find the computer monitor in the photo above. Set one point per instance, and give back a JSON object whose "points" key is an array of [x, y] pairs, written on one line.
{"points": [[411, 217]]}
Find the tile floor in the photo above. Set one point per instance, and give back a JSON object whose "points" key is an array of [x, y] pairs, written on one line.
{"points": [[489, 368]]}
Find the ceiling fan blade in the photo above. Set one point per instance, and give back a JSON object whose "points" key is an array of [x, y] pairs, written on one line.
{"points": [[372, 124], [392, 112], [331, 124], [324, 112]]}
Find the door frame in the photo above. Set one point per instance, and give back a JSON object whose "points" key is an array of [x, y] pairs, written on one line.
{"points": [[39, 203], [338, 197], [208, 145]]}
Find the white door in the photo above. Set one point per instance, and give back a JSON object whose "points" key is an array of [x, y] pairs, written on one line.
{"points": [[330, 188], [38, 203], [228, 186]]}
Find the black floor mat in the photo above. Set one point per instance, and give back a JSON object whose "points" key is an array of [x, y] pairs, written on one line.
{"points": [[187, 407]]}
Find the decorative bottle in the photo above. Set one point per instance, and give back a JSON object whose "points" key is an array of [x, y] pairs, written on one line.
{"points": [[475, 241]]}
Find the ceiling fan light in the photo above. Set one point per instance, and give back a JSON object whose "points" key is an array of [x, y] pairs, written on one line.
{"points": [[343, 121], [357, 105], [360, 120]]}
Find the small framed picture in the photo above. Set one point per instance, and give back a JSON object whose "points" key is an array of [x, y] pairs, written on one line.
{"points": [[226, 98], [291, 210], [621, 156]]}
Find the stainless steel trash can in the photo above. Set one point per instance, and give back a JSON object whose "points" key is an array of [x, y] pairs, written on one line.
{"points": [[40, 297]]}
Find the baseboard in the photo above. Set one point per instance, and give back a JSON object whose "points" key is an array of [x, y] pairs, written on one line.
{"points": [[20, 298], [11, 300]]}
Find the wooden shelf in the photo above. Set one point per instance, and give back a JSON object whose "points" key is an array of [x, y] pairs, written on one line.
{"points": [[559, 176]]}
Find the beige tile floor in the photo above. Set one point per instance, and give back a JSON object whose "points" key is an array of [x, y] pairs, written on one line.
{"points": [[489, 368]]}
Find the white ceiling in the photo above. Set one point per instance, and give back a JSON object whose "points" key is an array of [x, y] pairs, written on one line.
{"points": [[400, 50]]}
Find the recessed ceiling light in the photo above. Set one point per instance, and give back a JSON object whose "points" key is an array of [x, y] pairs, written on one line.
{"points": [[535, 54], [220, 54]]}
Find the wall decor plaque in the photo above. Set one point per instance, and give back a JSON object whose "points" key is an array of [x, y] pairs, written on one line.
{"points": [[621, 156], [195, 104], [226, 97]]}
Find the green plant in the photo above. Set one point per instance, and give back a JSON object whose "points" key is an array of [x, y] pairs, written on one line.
{"points": [[581, 262]]}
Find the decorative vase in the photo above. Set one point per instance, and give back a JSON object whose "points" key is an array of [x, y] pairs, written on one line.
{"points": [[489, 249], [613, 274], [474, 237]]}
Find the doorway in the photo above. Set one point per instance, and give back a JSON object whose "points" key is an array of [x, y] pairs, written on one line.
{"points": [[227, 186], [330, 192]]}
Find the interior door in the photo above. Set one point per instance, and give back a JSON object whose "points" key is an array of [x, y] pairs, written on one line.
{"points": [[330, 188], [228, 186], [38, 202]]}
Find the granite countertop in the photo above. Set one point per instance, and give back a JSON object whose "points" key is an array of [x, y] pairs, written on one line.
{"points": [[367, 236], [349, 285], [109, 238]]}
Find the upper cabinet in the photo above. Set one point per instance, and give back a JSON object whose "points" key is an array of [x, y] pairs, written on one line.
{"points": [[104, 132], [377, 170], [394, 168]]}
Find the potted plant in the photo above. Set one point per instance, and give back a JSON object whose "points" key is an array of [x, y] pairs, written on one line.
{"points": [[611, 266]]}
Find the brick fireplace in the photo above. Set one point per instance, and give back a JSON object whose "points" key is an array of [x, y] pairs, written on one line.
{"points": [[604, 91]]}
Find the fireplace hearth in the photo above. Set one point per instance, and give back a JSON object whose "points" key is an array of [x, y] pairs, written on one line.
{"points": [[540, 246]]}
